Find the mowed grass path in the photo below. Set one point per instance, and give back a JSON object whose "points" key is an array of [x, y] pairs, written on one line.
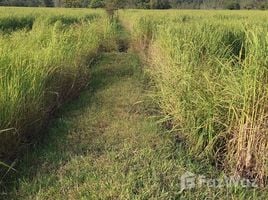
{"points": [[106, 145]]}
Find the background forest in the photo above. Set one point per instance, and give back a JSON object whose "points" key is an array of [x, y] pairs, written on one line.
{"points": [[145, 4]]}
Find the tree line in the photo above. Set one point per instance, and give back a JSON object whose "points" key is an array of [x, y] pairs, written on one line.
{"points": [[145, 4]]}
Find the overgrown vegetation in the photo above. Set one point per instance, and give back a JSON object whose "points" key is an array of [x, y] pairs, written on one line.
{"points": [[43, 65], [206, 74], [210, 72]]}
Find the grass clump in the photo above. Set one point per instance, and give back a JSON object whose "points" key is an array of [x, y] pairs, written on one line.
{"points": [[13, 23], [210, 74], [43, 68]]}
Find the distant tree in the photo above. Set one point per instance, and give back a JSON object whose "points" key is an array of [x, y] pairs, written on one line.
{"points": [[48, 3], [85, 3], [249, 6], [164, 4], [72, 3], [112, 5], [144, 4], [58, 3], [232, 5], [97, 4], [264, 6], [160, 4]]}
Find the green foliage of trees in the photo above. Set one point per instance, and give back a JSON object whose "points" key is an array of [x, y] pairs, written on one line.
{"points": [[264, 6], [72, 3], [160, 4], [145, 4], [48, 3], [97, 3], [232, 5], [21, 2]]}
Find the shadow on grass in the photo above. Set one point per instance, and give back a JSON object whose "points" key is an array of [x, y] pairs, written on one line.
{"points": [[54, 148]]}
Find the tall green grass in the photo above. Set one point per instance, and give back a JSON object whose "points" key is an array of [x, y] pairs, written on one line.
{"points": [[42, 67], [12, 19], [210, 73]]}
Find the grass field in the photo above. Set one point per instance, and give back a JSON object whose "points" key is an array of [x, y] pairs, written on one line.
{"points": [[210, 73], [44, 59], [157, 94]]}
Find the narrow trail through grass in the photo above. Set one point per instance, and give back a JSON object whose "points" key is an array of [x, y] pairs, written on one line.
{"points": [[105, 145]]}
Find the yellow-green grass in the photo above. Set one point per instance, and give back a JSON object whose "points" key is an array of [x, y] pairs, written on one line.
{"points": [[210, 73], [209, 69], [12, 18], [44, 65], [106, 145]]}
